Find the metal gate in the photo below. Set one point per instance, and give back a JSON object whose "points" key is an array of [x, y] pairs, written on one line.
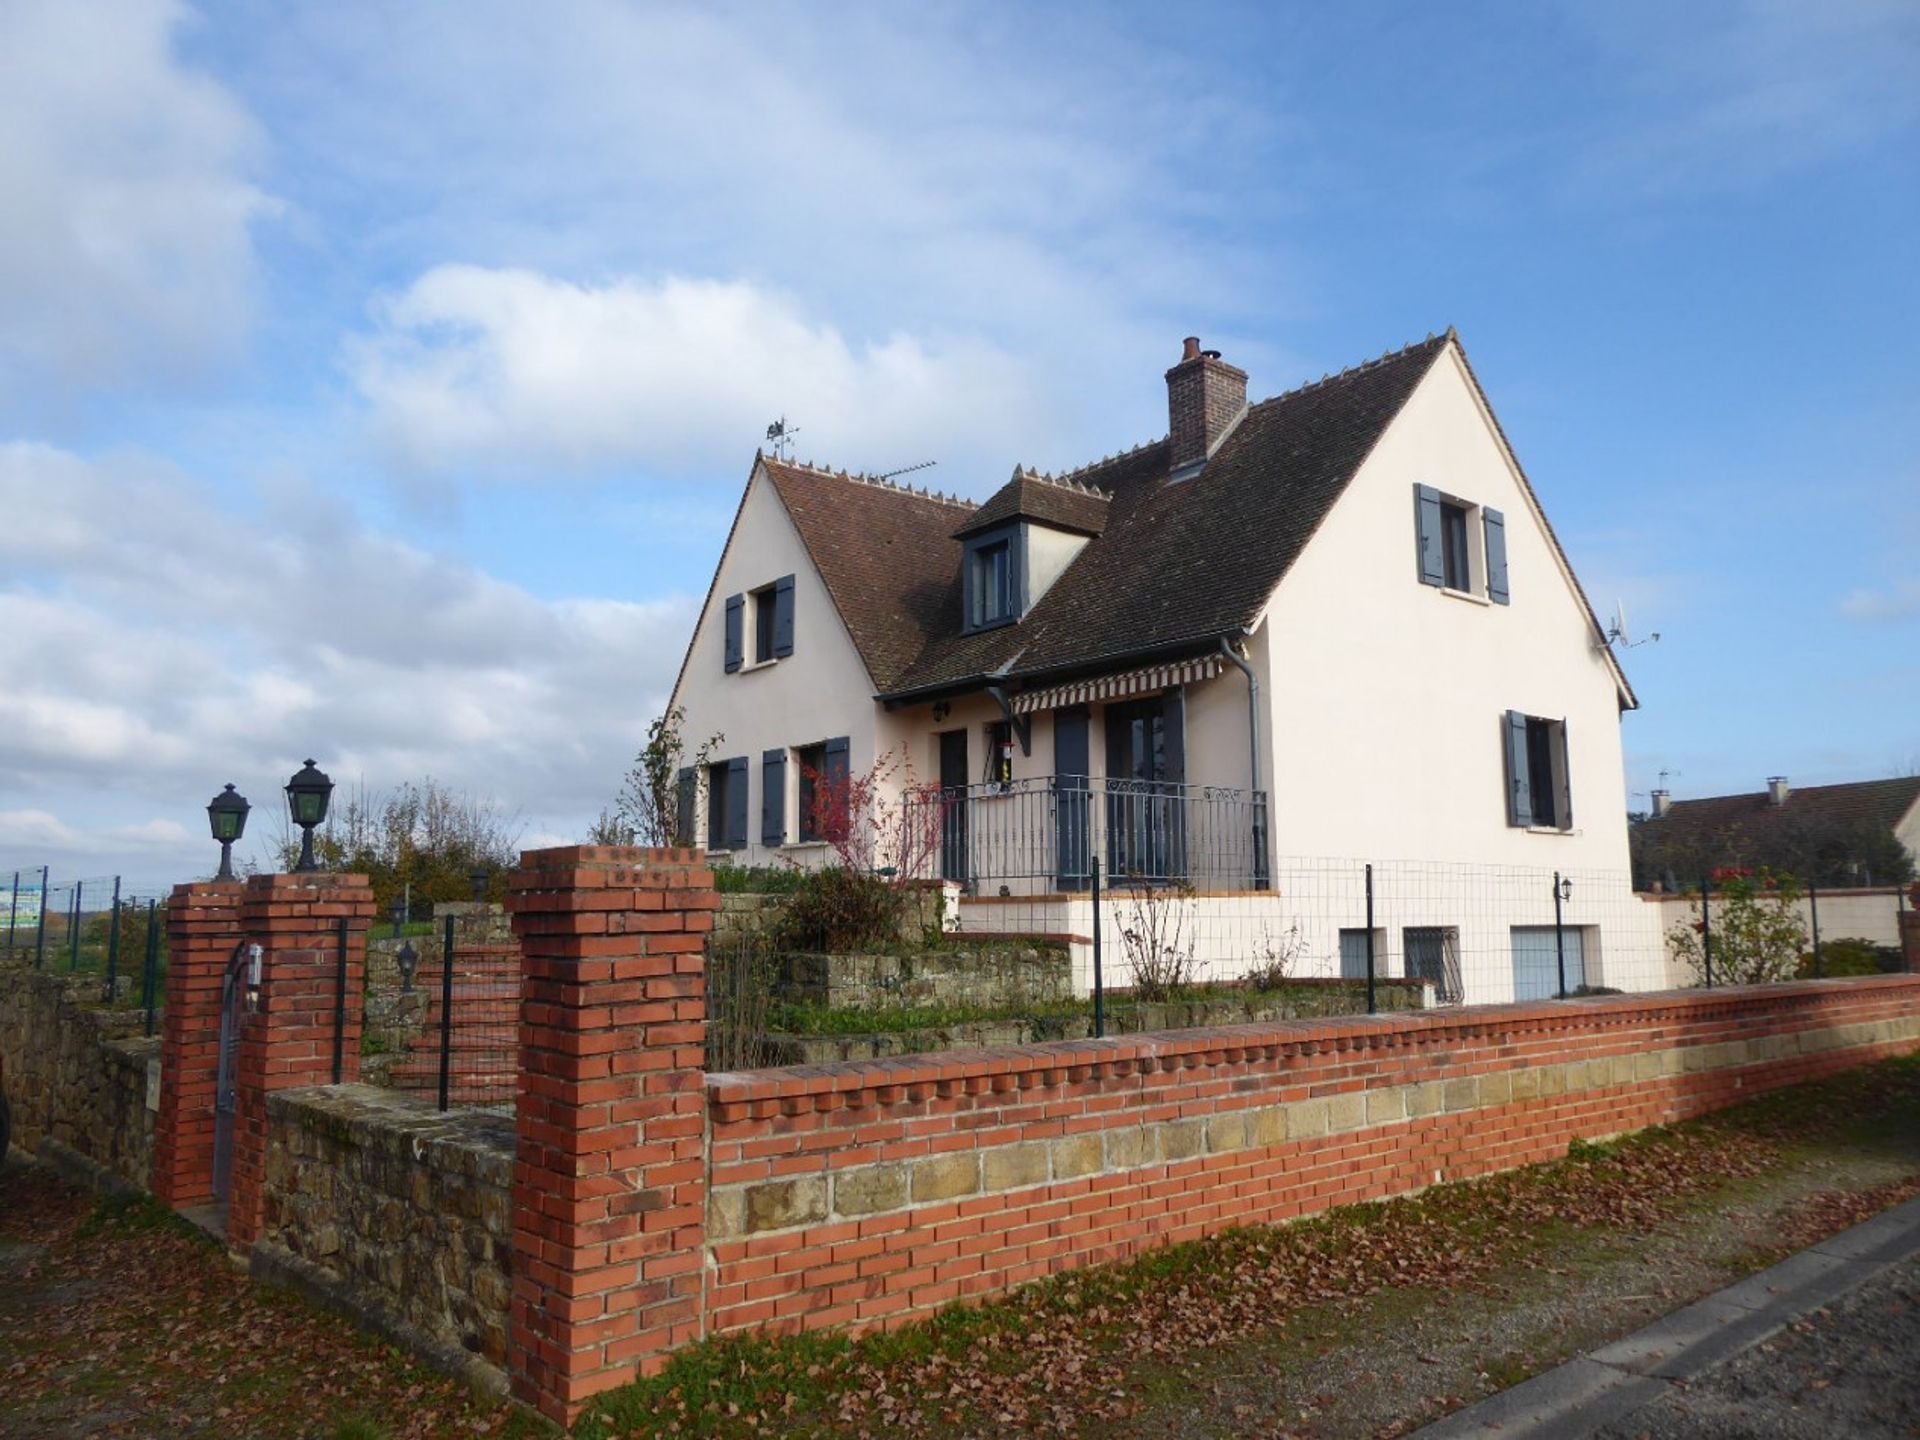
{"points": [[233, 1014]]}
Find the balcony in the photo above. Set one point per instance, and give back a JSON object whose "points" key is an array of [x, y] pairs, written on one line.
{"points": [[1044, 834]]}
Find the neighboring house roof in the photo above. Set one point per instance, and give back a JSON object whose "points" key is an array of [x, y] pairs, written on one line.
{"points": [[1804, 834], [1063, 504], [1171, 568]]}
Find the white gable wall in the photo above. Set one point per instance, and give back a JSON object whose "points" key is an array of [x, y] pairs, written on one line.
{"points": [[1388, 695], [818, 692]]}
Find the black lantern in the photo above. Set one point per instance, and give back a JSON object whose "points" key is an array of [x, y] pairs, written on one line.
{"points": [[478, 879], [1562, 887], [227, 816], [307, 796], [409, 961]]}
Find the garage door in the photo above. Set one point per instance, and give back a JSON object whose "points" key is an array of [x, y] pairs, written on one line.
{"points": [[1536, 969]]}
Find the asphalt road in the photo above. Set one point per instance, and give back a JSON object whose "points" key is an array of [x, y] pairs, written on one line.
{"points": [[1851, 1368]]}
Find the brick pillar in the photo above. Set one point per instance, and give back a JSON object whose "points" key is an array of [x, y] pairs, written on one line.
{"points": [[1910, 939], [289, 1040], [609, 1188], [203, 926]]}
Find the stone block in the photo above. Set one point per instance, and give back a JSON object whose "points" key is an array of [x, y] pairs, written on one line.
{"points": [[1386, 1106], [869, 1188], [945, 1177], [1496, 1089], [1462, 1093], [782, 1204], [1346, 1112], [1227, 1132], [1131, 1147], [1306, 1119], [1182, 1139], [1011, 1167], [1267, 1126], [1076, 1155]]}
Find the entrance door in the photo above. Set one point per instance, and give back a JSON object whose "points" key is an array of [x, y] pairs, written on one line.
{"points": [[1536, 962], [953, 807], [1145, 762]]}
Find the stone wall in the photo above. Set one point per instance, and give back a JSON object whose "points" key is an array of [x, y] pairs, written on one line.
{"points": [[81, 1080], [398, 1214], [861, 1192]]}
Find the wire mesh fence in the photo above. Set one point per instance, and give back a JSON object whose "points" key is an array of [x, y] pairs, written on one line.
{"points": [[100, 927], [441, 1007]]}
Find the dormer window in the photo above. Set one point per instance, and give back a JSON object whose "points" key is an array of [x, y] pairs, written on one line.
{"points": [[992, 585], [994, 579]]}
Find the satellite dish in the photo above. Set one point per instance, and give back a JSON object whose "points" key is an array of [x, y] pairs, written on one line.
{"points": [[1618, 634]]}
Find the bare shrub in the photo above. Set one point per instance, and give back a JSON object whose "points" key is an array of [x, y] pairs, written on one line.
{"points": [[741, 975], [1274, 957], [1156, 937]]}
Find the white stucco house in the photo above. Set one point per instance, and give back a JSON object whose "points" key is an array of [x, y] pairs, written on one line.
{"points": [[1322, 629]]}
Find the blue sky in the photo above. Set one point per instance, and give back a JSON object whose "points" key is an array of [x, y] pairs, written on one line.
{"points": [[377, 381]]}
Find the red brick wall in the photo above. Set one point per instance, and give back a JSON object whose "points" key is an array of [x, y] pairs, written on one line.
{"points": [[203, 925], [609, 1179], [864, 1192], [290, 1041]]}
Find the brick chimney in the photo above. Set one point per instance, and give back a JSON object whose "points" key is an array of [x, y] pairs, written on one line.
{"points": [[1205, 395], [1662, 802]]}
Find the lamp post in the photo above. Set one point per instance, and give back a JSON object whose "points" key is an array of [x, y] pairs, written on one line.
{"points": [[227, 818], [307, 794], [1562, 891]]}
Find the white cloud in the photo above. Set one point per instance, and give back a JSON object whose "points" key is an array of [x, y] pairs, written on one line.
{"points": [[164, 642], [474, 367], [1899, 601], [126, 250]]}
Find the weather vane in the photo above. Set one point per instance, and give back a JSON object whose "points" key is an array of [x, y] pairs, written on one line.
{"points": [[780, 437]]}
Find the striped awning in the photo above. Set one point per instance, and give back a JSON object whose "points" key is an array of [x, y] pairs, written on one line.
{"points": [[1123, 686]]}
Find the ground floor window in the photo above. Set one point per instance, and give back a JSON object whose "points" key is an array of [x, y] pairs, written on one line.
{"points": [[812, 760], [1433, 955], [1537, 960]]}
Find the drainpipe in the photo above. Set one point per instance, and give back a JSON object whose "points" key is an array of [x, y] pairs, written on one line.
{"points": [[1253, 707], [1253, 763]]}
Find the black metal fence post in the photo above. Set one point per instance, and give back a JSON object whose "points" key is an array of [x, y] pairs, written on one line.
{"points": [[113, 941], [1099, 981], [73, 928], [446, 1013], [1706, 930], [40, 942], [13, 917], [340, 1003], [150, 969], [1813, 908], [1373, 1000], [1559, 938]]}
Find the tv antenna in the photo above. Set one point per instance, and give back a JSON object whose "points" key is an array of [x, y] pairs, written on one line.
{"points": [[907, 469], [1619, 634], [780, 436]]}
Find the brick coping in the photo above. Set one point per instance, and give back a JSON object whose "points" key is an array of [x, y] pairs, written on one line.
{"points": [[832, 1084]]}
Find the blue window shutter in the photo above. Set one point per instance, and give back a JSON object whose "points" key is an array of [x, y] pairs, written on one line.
{"points": [[783, 616], [736, 631], [1562, 778], [1426, 516], [773, 797], [1496, 528], [737, 803], [1519, 791], [836, 773], [683, 806]]}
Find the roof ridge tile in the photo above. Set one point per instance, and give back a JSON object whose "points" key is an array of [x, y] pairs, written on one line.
{"points": [[878, 482]]}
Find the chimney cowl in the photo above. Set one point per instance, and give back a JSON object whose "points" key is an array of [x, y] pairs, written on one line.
{"points": [[1778, 789], [1662, 802], [1205, 399]]}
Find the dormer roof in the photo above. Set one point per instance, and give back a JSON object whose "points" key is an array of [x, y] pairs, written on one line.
{"points": [[1066, 505]]}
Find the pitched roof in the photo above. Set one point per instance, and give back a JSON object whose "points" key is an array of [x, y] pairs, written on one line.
{"points": [[885, 553], [1171, 567], [1063, 504], [1752, 830], [1179, 566]]}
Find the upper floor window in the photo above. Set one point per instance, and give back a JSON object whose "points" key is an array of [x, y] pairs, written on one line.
{"points": [[1539, 787], [766, 614], [1462, 546]]}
